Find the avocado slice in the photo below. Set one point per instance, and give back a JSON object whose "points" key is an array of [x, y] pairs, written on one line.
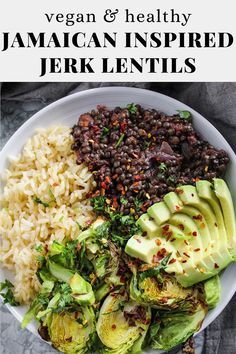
{"points": [[173, 202], [189, 196], [142, 248], [223, 194], [159, 212], [205, 191], [172, 199], [148, 225]]}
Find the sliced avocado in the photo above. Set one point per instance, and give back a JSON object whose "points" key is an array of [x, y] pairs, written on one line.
{"points": [[188, 195], [142, 248], [148, 225], [173, 202], [223, 194], [212, 291], [159, 212], [205, 191]]}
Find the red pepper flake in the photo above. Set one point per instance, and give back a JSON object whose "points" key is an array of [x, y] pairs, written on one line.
{"points": [[179, 191], [173, 239], [107, 179], [216, 266], [137, 239], [177, 207], [115, 203], [123, 126], [158, 242], [216, 224], [137, 177], [104, 185], [184, 261], [197, 217], [186, 254], [202, 226], [194, 233], [113, 326], [173, 260], [55, 184], [196, 249], [166, 227], [186, 242], [181, 227], [135, 184]]}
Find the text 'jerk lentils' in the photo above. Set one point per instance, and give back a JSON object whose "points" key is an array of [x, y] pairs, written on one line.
{"points": [[137, 155]]}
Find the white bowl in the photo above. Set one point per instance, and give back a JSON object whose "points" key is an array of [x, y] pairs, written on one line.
{"points": [[67, 110]]}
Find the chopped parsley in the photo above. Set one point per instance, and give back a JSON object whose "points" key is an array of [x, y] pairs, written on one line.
{"points": [[184, 114], [99, 203], [171, 179], [8, 295], [162, 167], [105, 131], [38, 248], [121, 138], [132, 108], [39, 201], [123, 200]]}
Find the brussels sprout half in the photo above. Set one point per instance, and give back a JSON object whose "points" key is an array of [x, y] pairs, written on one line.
{"points": [[122, 324]]}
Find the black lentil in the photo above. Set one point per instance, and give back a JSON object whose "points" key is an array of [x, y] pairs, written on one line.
{"points": [[155, 154]]}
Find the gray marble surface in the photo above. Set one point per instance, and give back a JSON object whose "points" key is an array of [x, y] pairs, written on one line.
{"points": [[215, 101]]}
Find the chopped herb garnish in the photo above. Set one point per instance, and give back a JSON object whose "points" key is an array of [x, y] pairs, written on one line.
{"points": [[105, 131], [99, 203], [53, 199], [39, 201], [123, 200], [38, 248], [171, 179], [8, 295], [162, 167], [132, 108], [120, 140], [184, 114], [138, 202], [156, 270], [146, 144]]}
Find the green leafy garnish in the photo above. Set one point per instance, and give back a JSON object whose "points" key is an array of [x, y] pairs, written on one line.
{"points": [[184, 114], [105, 131], [99, 203], [39, 201], [162, 167], [156, 270], [53, 198], [123, 200], [38, 248], [79, 226], [171, 179], [138, 203], [132, 108], [8, 295], [120, 140]]}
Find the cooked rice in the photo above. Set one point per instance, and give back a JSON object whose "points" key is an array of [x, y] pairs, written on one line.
{"points": [[46, 169]]}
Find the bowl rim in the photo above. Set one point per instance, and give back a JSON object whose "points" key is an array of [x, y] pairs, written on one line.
{"points": [[116, 90]]}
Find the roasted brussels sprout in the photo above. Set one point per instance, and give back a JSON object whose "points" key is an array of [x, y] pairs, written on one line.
{"points": [[173, 328], [72, 332], [122, 324]]}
